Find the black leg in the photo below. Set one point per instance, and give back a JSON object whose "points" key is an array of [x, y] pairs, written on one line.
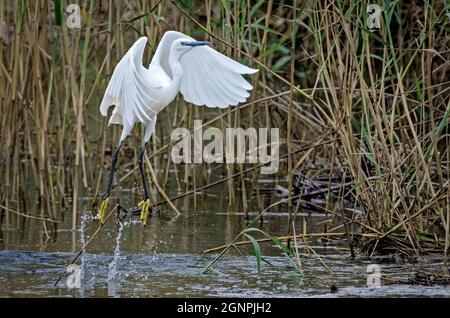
{"points": [[141, 169], [111, 173]]}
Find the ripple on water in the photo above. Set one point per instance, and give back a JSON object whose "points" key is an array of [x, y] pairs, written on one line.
{"points": [[144, 275]]}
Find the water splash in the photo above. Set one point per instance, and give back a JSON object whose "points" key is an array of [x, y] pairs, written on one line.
{"points": [[85, 219], [113, 279]]}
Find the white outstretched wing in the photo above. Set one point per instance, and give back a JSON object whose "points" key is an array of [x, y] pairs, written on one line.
{"points": [[129, 90], [209, 77], [212, 79]]}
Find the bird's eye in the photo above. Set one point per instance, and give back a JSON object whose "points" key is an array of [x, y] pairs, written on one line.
{"points": [[183, 43]]}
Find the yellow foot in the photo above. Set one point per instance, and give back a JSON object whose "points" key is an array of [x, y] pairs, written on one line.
{"points": [[101, 213], [144, 205]]}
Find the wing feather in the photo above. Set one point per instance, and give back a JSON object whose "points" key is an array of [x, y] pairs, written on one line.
{"points": [[219, 85], [212, 79], [128, 90], [209, 77]]}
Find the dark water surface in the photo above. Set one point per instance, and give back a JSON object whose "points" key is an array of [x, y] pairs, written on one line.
{"points": [[165, 259]]}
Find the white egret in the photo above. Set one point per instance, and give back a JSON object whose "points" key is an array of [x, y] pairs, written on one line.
{"points": [[180, 63]]}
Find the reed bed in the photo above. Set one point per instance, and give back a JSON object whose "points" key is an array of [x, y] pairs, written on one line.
{"points": [[374, 103]]}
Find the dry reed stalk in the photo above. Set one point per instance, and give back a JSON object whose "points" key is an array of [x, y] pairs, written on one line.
{"points": [[383, 93]]}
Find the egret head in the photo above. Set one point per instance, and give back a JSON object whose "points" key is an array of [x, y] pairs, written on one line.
{"points": [[184, 45]]}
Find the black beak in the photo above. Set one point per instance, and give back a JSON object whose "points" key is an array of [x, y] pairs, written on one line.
{"points": [[197, 43]]}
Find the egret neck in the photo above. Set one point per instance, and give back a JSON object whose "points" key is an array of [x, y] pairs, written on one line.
{"points": [[175, 66]]}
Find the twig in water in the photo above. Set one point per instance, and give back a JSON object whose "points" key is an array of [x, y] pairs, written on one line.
{"points": [[279, 238], [28, 216]]}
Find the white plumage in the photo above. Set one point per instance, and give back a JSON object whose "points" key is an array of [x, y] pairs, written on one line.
{"points": [[202, 75]]}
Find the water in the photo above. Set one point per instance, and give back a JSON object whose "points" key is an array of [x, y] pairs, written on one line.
{"points": [[165, 259]]}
